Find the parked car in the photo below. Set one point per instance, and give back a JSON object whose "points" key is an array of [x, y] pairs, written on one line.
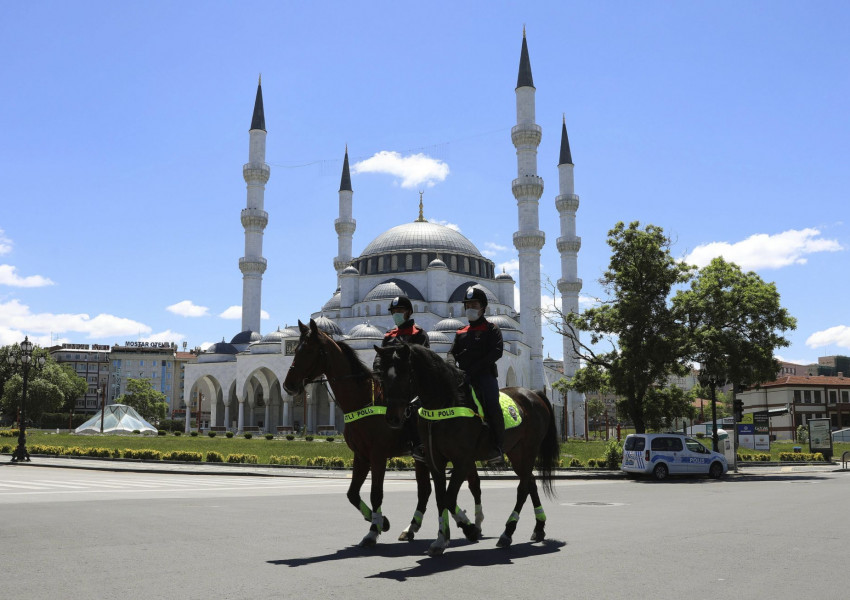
{"points": [[663, 454]]}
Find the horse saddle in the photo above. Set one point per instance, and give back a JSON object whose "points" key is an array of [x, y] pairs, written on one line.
{"points": [[510, 411]]}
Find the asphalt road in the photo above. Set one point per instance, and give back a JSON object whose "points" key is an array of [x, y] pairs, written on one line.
{"points": [[100, 534]]}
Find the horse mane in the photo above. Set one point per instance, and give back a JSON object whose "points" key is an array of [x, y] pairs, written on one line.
{"points": [[358, 367], [435, 377]]}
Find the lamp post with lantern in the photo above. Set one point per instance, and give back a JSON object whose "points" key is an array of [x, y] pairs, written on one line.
{"points": [[22, 358]]}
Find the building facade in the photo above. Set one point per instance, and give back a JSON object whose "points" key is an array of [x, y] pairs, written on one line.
{"points": [[91, 362], [155, 361]]}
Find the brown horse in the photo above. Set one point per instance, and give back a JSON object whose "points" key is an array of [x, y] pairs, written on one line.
{"points": [[451, 426], [366, 430]]}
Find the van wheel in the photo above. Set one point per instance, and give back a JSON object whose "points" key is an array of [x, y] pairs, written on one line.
{"points": [[715, 471], [660, 471]]}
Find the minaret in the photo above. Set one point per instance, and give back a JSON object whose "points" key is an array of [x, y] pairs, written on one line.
{"points": [[254, 218], [527, 189], [344, 225], [568, 245]]}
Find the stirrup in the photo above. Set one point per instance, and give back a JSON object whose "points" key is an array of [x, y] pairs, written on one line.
{"points": [[497, 458], [418, 453]]}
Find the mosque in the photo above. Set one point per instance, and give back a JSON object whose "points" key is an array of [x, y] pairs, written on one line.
{"points": [[239, 383]]}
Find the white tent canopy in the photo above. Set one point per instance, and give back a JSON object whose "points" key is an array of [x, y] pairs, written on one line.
{"points": [[117, 418]]}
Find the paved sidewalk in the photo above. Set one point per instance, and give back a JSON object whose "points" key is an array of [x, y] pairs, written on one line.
{"points": [[204, 468]]}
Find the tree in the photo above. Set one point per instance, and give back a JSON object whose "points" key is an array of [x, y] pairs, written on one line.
{"points": [[148, 402], [647, 343], [734, 322], [48, 388]]}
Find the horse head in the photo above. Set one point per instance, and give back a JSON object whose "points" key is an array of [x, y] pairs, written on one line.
{"points": [[396, 378], [309, 359]]}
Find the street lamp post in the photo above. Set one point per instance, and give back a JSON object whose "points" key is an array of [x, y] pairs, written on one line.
{"points": [[23, 359], [102, 405]]}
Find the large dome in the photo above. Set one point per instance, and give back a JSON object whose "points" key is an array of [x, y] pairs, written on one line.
{"points": [[420, 236]]}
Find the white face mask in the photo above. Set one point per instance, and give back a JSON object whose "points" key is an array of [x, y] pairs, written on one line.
{"points": [[473, 314], [398, 318]]}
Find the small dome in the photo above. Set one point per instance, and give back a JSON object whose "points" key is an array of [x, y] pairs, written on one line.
{"points": [[460, 293], [392, 288], [363, 331], [438, 337], [449, 325], [246, 337], [333, 303], [437, 264], [222, 347], [328, 326], [503, 322], [504, 276], [350, 270], [278, 336]]}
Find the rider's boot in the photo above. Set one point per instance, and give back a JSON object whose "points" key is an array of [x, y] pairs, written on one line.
{"points": [[497, 427]]}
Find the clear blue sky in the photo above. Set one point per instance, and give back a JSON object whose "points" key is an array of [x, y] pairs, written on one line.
{"points": [[124, 127]]}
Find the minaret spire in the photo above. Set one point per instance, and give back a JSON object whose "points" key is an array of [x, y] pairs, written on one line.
{"points": [[258, 120], [529, 239], [345, 180], [568, 246], [344, 225], [254, 219]]}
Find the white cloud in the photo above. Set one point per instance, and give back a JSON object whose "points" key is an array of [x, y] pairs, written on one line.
{"points": [[414, 170], [9, 277], [451, 226], [763, 251], [188, 309], [492, 249], [837, 336], [16, 320], [235, 312], [5, 243]]}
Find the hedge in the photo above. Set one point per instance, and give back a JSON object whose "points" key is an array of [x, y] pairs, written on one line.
{"points": [[183, 456], [801, 457], [250, 459]]}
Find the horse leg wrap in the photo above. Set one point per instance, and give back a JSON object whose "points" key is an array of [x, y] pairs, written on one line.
{"points": [[479, 515], [460, 516], [377, 520], [413, 527], [365, 511], [539, 514], [444, 524]]}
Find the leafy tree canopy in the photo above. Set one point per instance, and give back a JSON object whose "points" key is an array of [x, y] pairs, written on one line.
{"points": [[148, 402]]}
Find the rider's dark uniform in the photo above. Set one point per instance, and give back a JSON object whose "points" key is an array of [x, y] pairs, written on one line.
{"points": [[410, 333], [476, 349]]}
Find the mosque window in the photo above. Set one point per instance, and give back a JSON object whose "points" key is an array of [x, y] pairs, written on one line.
{"points": [[475, 267], [454, 263], [424, 261], [394, 262], [408, 262], [377, 309], [465, 265], [380, 264]]}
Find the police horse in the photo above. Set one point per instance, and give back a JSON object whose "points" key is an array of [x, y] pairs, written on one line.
{"points": [[452, 430], [366, 430]]}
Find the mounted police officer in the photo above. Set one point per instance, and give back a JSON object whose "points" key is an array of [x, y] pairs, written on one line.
{"points": [[476, 349], [408, 332]]}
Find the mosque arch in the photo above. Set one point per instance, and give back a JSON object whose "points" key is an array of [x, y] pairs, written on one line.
{"points": [[510, 377]]}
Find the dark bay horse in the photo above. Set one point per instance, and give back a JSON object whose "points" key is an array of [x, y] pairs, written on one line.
{"points": [[366, 430], [454, 432]]}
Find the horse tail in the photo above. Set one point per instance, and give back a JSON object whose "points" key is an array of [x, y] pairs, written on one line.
{"points": [[548, 459]]}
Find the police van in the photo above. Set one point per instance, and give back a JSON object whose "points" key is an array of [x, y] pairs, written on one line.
{"points": [[663, 454]]}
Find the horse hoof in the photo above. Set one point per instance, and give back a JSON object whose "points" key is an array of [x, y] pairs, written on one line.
{"points": [[538, 536], [438, 551], [369, 541], [472, 533], [406, 536], [504, 541], [386, 524]]}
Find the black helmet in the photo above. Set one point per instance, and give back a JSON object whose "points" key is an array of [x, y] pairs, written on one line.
{"points": [[474, 292], [401, 302]]}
